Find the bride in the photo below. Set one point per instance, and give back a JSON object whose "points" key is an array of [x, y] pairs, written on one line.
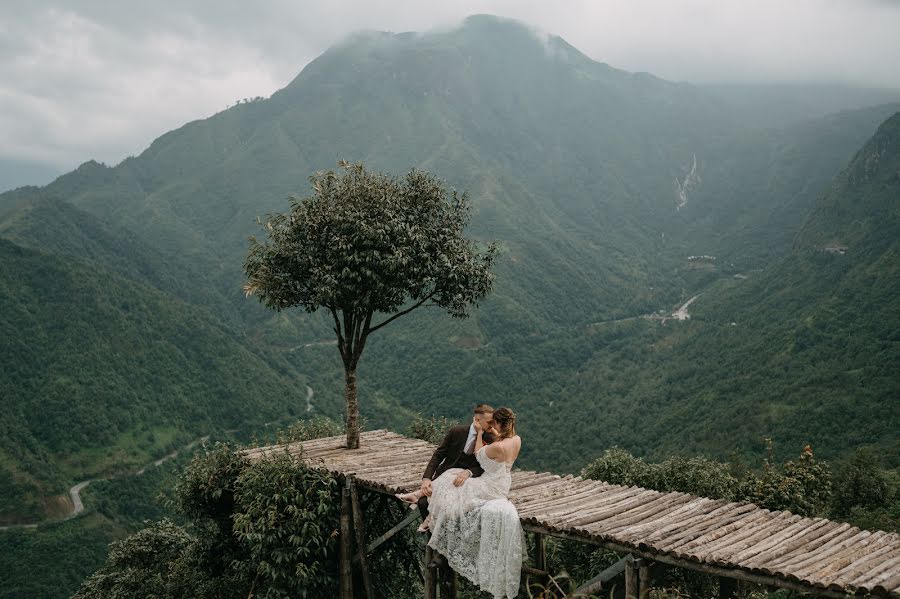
{"points": [[474, 525]]}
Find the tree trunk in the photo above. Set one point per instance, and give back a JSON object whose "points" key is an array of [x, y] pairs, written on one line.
{"points": [[352, 409]]}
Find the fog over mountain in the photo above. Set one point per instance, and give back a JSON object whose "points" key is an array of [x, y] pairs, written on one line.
{"points": [[100, 80]]}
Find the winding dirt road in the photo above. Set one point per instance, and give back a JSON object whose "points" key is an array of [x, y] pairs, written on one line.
{"points": [[77, 488]]}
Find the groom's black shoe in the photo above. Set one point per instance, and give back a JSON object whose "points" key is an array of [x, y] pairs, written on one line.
{"points": [[438, 561]]}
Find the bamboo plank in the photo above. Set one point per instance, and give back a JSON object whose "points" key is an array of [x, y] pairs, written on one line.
{"points": [[695, 522], [838, 561], [798, 561], [649, 528], [608, 525], [543, 490], [877, 575], [389, 470], [540, 499], [699, 546], [844, 559], [576, 498], [719, 531], [805, 541], [863, 562], [533, 478], [758, 534], [891, 585], [593, 501], [733, 539], [711, 551], [828, 542], [763, 549], [617, 508], [608, 499], [653, 511]]}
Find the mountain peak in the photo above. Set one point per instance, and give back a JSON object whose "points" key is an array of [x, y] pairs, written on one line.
{"points": [[480, 41]]}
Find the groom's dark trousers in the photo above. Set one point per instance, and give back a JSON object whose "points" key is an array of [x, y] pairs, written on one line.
{"points": [[450, 454]]}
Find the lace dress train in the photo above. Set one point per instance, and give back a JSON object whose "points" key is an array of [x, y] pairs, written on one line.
{"points": [[477, 528]]}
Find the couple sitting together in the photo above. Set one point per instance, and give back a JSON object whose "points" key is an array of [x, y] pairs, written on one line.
{"points": [[464, 501]]}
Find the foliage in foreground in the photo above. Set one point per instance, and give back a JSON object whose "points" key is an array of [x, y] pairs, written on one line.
{"points": [[269, 528], [802, 486]]}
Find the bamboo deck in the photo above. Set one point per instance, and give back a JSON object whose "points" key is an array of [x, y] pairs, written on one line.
{"points": [[811, 554]]}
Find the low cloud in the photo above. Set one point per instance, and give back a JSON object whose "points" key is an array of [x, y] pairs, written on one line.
{"points": [[101, 80]]}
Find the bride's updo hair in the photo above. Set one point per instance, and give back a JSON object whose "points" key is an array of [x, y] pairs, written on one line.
{"points": [[505, 419]]}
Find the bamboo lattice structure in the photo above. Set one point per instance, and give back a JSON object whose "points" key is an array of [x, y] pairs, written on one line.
{"points": [[729, 539]]}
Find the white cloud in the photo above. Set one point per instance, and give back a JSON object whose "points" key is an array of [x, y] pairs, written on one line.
{"points": [[98, 79]]}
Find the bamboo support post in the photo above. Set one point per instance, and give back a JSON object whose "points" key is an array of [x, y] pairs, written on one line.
{"points": [[346, 566], [644, 580], [430, 575], [727, 587], [448, 582], [631, 579], [359, 529], [540, 552]]}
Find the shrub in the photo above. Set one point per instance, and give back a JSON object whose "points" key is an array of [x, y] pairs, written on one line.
{"points": [[142, 565], [430, 429]]}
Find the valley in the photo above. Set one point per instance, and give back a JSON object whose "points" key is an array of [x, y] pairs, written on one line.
{"points": [[127, 340], [74, 492]]}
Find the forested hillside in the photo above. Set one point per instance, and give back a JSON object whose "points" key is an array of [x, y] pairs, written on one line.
{"points": [[612, 196], [102, 373], [805, 350], [597, 183]]}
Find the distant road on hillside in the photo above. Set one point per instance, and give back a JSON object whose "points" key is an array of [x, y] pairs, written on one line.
{"points": [[77, 488]]}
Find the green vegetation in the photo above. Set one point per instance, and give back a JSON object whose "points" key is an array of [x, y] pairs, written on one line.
{"points": [[268, 529], [104, 374], [802, 486]]}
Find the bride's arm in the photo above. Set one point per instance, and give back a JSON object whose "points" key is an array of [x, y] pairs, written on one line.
{"points": [[479, 440], [496, 450]]}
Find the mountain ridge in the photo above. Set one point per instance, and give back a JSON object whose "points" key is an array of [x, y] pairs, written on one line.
{"points": [[571, 165]]}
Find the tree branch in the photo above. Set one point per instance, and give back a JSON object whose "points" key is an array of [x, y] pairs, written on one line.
{"points": [[348, 340], [399, 314], [337, 330], [363, 335]]}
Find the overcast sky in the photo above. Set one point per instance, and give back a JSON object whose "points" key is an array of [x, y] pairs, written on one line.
{"points": [[101, 79]]}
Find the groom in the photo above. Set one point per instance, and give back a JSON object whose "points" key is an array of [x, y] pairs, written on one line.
{"points": [[457, 450]]}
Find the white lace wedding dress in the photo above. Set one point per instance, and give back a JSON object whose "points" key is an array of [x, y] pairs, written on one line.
{"points": [[477, 528]]}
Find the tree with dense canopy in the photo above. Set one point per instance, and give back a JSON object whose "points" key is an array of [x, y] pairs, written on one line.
{"points": [[366, 243]]}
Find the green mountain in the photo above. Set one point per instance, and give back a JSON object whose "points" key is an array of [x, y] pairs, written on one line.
{"points": [[597, 183]]}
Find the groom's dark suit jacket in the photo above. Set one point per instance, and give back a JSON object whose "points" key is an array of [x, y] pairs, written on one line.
{"points": [[450, 454]]}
